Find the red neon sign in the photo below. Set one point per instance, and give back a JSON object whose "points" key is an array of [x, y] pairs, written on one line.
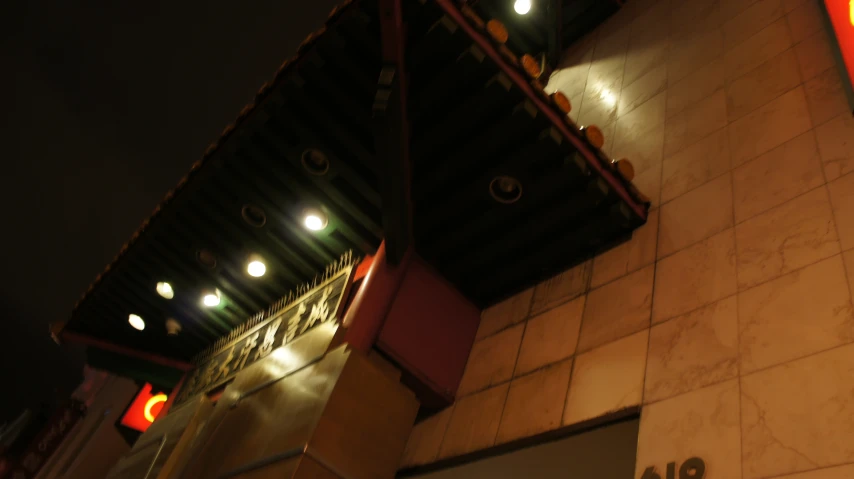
{"points": [[143, 410], [841, 13]]}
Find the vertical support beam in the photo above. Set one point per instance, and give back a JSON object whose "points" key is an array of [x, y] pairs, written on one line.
{"points": [[365, 317], [391, 133]]}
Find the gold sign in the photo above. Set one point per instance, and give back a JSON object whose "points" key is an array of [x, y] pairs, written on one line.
{"points": [[318, 306]]}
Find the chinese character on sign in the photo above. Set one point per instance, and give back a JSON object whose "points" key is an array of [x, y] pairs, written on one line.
{"points": [[224, 369], [319, 311], [293, 324], [210, 374], [269, 339], [250, 344]]}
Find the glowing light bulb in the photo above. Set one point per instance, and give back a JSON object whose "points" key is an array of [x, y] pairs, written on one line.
{"points": [[165, 289], [314, 220], [522, 6], [256, 268], [211, 299], [136, 322]]}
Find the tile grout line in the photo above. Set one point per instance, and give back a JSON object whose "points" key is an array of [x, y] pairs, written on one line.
{"points": [[734, 226]]}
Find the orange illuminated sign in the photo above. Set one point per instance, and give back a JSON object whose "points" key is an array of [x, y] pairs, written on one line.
{"points": [[841, 13], [144, 409]]}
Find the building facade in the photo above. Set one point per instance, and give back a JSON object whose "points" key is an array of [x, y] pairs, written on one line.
{"points": [[726, 321], [512, 287]]}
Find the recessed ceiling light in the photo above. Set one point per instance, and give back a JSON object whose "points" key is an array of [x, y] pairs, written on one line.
{"points": [[522, 6], [173, 327], [136, 322], [211, 298], [256, 268], [165, 289], [315, 220]]}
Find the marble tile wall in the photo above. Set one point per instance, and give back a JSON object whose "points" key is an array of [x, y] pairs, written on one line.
{"points": [[727, 317]]}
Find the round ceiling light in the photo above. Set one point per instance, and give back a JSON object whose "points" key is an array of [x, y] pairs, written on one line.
{"points": [[315, 162], [206, 258], [505, 189], [211, 298], [173, 327], [165, 289], [522, 7], [136, 322], [253, 216], [256, 268], [315, 220]]}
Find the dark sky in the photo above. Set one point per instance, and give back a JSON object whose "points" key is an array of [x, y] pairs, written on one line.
{"points": [[105, 105]]}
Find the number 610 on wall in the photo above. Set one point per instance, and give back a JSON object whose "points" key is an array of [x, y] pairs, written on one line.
{"points": [[693, 468]]}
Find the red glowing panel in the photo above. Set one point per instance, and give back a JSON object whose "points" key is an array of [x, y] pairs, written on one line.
{"points": [[144, 408], [841, 14]]}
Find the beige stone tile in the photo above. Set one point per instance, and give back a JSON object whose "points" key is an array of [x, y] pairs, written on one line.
{"points": [[838, 472], [762, 84], [836, 144], [848, 258], [506, 313], [609, 54], [751, 21], [491, 360], [575, 103], [797, 416], [692, 52], [815, 55], [842, 199], [644, 149], [805, 20], [645, 54], [692, 351], [695, 216], [773, 178], [795, 315], [535, 402], [648, 17], [826, 97], [695, 122], [765, 45], [474, 422], [695, 165], [607, 379], [426, 438], [599, 103], [642, 119], [608, 133], [702, 423], [617, 309], [561, 288], [696, 276], [731, 8], [649, 183], [687, 17], [620, 21], [571, 80], [550, 337], [627, 257], [695, 87], [643, 89], [790, 5], [785, 238], [771, 125]]}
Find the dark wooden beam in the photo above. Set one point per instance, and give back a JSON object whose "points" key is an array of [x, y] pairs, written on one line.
{"points": [[391, 134]]}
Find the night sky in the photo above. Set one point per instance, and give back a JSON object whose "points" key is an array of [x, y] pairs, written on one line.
{"points": [[105, 105]]}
